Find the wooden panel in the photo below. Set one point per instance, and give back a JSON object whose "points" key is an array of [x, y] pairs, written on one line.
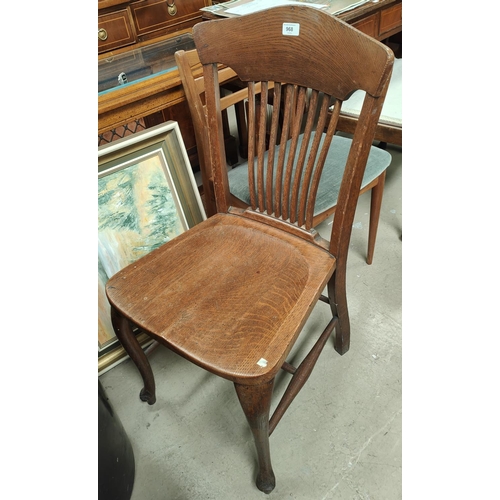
{"points": [[368, 25], [153, 15], [119, 30], [391, 18], [105, 4]]}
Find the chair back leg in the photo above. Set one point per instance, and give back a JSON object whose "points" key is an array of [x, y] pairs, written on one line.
{"points": [[377, 193]]}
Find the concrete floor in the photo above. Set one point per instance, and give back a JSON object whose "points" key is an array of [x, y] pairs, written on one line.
{"points": [[340, 439]]}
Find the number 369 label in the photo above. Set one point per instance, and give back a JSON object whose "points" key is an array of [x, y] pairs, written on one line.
{"points": [[291, 29]]}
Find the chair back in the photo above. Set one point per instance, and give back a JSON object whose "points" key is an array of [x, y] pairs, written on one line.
{"points": [[191, 73], [311, 62]]}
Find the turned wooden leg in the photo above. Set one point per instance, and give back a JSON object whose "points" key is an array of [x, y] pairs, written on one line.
{"points": [[127, 338], [338, 305], [256, 403], [377, 193]]}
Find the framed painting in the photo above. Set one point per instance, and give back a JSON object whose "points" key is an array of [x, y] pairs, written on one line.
{"points": [[147, 195]]}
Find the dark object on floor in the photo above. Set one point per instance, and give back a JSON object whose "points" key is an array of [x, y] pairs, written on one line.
{"points": [[116, 458]]}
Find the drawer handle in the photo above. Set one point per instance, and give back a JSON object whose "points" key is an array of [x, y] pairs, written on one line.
{"points": [[172, 9], [102, 34]]}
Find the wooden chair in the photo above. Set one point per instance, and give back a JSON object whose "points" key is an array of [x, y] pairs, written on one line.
{"points": [[192, 79], [233, 293], [191, 75]]}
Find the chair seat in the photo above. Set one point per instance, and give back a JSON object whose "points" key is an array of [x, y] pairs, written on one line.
{"points": [[267, 281], [331, 176]]}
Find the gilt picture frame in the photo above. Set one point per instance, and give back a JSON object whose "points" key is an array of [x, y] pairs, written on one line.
{"points": [[147, 195]]}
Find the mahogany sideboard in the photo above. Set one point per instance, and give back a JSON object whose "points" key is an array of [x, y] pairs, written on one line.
{"points": [[128, 24]]}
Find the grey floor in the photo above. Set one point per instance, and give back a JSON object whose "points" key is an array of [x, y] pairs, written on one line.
{"points": [[340, 439]]}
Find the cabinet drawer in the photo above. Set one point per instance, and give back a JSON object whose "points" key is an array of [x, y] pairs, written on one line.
{"points": [[155, 15], [115, 30], [368, 25], [391, 18]]}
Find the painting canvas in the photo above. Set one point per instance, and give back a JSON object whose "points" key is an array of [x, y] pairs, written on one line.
{"points": [[147, 195]]}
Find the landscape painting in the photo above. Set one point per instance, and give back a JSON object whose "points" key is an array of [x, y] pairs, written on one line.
{"points": [[137, 213], [140, 207]]}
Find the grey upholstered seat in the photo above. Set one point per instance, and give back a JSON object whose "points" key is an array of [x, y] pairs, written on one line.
{"points": [[331, 177]]}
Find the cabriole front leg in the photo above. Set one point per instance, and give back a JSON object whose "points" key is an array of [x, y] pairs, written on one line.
{"points": [[256, 403], [129, 341]]}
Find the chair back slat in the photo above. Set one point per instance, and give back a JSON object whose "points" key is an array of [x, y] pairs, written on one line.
{"points": [[251, 144], [260, 106], [278, 209], [297, 164], [332, 127], [296, 103], [271, 187], [309, 190]]}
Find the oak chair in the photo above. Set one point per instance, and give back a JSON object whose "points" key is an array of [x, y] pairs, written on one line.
{"points": [[192, 79], [233, 293]]}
